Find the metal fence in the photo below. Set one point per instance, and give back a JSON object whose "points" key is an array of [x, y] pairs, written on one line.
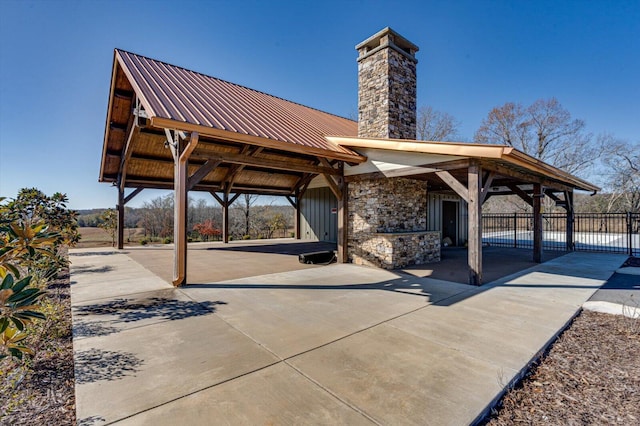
{"points": [[601, 232]]}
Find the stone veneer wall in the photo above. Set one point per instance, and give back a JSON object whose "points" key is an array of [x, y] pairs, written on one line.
{"points": [[387, 223], [387, 93]]}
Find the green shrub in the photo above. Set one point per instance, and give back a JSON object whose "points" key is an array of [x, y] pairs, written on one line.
{"points": [[17, 310], [167, 240], [246, 237], [144, 242]]}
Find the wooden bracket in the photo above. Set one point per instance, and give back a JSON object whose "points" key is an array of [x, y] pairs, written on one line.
{"points": [[520, 193], [454, 184]]}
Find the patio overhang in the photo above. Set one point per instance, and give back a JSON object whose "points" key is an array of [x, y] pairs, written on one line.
{"points": [[171, 128], [475, 172]]}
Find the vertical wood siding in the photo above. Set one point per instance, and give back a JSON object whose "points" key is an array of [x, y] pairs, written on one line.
{"points": [[434, 215], [317, 221]]}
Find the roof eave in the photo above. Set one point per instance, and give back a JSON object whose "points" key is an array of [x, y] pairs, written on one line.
{"points": [[461, 149], [408, 145], [351, 157], [107, 126]]}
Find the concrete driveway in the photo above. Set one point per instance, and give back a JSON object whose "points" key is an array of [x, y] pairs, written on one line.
{"points": [[339, 344]]}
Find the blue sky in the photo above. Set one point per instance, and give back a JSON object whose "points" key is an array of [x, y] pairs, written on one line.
{"points": [[56, 58]]}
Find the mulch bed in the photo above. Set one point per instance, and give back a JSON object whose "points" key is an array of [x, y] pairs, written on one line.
{"points": [[591, 375], [44, 394]]}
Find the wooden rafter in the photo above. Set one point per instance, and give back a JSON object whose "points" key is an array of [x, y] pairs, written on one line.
{"points": [[524, 177], [235, 170], [266, 163]]}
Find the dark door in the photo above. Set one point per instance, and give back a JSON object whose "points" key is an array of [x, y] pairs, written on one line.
{"points": [[450, 221]]}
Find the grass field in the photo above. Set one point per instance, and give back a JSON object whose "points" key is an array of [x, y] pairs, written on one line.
{"points": [[98, 237]]}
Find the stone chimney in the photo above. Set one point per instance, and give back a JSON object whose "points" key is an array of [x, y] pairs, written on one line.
{"points": [[387, 86]]}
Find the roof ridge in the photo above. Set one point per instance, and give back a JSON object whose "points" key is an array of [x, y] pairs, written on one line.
{"points": [[232, 83]]}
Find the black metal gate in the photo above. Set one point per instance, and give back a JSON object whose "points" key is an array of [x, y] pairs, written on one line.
{"points": [[600, 232]]}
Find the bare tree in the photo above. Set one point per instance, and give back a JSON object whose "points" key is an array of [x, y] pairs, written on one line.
{"points": [[434, 125], [248, 200], [544, 130], [622, 161]]}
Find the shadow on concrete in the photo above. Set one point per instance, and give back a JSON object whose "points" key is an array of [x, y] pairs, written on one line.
{"points": [[89, 269], [96, 365], [92, 329], [293, 249], [97, 253], [497, 262], [91, 420], [436, 293], [130, 310]]}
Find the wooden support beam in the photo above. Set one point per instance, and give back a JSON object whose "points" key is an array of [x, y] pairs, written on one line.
{"points": [[558, 202], [295, 202], [524, 177], [334, 184], [520, 193], [225, 202], [203, 171], [455, 184], [537, 222], [343, 223], [225, 218], [180, 207], [568, 198], [133, 194], [235, 170], [126, 154], [234, 198], [474, 252], [120, 208], [218, 199], [266, 163], [486, 186]]}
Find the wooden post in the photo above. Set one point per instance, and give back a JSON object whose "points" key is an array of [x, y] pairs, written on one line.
{"points": [[297, 215], [474, 255], [343, 220], [568, 195], [180, 208], [537, 222], [225, 218], [120, 208]]}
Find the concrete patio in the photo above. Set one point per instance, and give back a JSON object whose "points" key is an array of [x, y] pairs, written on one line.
{"points": [[337, 344]]}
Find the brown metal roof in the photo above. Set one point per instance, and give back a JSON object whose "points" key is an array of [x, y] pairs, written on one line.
{"points": [[171, 93]]}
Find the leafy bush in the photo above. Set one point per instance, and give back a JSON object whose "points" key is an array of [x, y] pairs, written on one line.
{"points": [[144, 242], [33, 227], [17, 310], [167, 240]]}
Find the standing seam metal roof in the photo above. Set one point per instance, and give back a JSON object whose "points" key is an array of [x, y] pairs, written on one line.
{"points": [[175, 93]]}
